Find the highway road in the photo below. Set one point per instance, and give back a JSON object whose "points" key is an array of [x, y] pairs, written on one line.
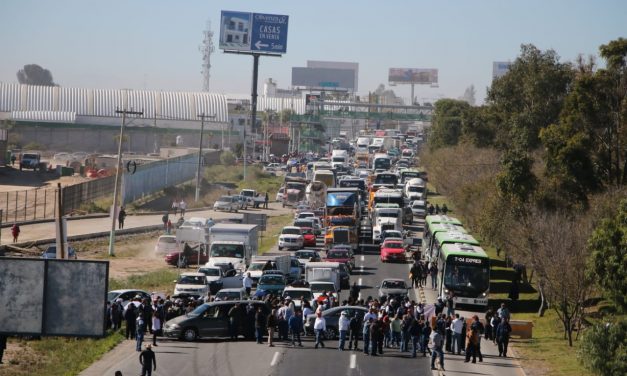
{"points": [[243, 358]]}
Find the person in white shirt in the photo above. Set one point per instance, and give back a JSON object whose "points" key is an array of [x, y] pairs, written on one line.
{"points": [[457, 327], [344, 326], [182, 206], [320, 326], [156, 327], [247, 283]]}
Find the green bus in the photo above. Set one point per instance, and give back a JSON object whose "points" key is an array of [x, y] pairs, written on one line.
{"points": [[464, 272], [431, 220], [435, 228]]}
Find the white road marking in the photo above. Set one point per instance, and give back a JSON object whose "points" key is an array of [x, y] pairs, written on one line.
{"points": [[353, 361], [359, 281], [362, 258], [275, 359]]}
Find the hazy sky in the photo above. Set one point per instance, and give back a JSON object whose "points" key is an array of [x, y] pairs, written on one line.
{"points": [[153, 44]]}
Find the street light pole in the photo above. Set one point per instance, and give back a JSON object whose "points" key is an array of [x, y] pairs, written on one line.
{"points": [[117, 178], [202, 129]]}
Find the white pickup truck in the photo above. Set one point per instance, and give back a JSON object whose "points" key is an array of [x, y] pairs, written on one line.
{"points": [[254, 199]]}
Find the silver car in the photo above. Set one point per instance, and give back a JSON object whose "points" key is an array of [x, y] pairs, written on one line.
{"points": [[227, 203], [393, 288]]}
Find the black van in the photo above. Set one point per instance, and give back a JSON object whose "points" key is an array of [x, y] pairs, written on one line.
{"points": [[211, 320]]}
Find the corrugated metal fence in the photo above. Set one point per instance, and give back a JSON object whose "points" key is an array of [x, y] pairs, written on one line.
{"points": [[153, 177]]}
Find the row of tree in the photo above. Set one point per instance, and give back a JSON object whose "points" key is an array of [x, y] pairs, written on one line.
{"points": [[540, 171]]}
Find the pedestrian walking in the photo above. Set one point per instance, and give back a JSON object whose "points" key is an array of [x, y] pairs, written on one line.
{"points": [[472, 337], [503, 332], [354, 326], [156, 327], [175, 206], [265, 201], [320, 326], [437, 341], [130, 315], [457, 327], [444, 209], [431, 209], [168, 227], [437, 209], [260, 320], [247, 283], [12, 159], [121, 217], [148, 361], [165, 219], [433, 272], [15, 231], [182, 207]]}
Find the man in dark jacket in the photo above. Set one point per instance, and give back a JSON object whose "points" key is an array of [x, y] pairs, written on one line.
{"points": [[295, 324], [502, 336], [376, 338], [148, 360], [355, 327], [130, 315], [260, 324]]}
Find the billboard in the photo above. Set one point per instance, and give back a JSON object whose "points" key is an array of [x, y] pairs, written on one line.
{"points": [[324, 78], [500, 68], [253, 32], [336, 65], [413, 76], [53, 297]]}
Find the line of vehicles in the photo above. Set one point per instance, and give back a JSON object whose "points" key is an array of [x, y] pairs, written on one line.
{"points": [[349, 201]]}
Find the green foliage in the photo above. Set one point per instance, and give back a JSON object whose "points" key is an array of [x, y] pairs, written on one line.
{"points": [[530, 96], [34, 146], [447, 122], [238, 150], [603, 349], [227, 158], [608, 257], [516, 181]]}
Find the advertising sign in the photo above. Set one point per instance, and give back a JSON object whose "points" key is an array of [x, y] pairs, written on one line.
{"points": [[253, 32], [323, 78], [413, 76]]}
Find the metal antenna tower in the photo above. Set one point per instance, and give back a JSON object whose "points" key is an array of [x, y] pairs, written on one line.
{"points": [[206, 48]]}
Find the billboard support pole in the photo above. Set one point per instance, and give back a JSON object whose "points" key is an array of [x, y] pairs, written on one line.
{"points": [[411, 101], [253, 98]]}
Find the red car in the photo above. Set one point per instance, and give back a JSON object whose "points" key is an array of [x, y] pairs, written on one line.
{"points": [[340, 255], [179, 258], [309, 238], [392, 250]]}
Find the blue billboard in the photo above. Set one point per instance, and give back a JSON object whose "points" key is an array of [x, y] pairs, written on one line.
{"points": [[253, 32]]}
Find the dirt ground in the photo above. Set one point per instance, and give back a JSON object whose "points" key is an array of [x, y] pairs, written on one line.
{"points": [[12, 179]]}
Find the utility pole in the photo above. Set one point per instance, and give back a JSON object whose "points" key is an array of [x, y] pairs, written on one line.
{"points": [[202, 129], [117, 177]]}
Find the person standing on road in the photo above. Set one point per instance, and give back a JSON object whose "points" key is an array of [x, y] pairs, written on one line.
{"points": [[502, 336], [265, 201], [121, 217], [344, 326], [472, 337], [478, 326], [156, 327], [354, 326], [15, 231], [260, 319], [234, 320], [130, 315], [271, 324], [503, 312], [165, 220], [295, 324], [175, 206], [183, 207], [320, 326], [457, 326], [433, 272], [247, 283], [139, 332], [436, 348], [148, 360]]}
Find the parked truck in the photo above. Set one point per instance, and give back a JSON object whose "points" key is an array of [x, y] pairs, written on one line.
{"points": [[278, 261], [233, 243], [316, 194], [30, 159], [323, 272], [253, 198]]}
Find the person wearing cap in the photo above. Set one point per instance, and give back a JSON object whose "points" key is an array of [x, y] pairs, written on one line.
{"points": [[140, 328], [148, 360], [344, 326]]}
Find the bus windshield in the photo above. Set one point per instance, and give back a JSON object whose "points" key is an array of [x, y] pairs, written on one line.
{"points": [[468, 274], [382, 163]]}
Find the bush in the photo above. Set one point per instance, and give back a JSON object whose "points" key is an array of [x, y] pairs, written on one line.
{"points": [[227, 158], [603, 348]]}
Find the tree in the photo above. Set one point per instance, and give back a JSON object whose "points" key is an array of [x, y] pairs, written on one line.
{"points": [[447, 122], [227, 158], [603, 349], [516, 182], [33, 74], [608, 257], [469, 95], [530, 95]]}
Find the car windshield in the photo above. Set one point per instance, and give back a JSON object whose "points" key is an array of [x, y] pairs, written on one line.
{"points": [[291, 231], [191, 280], [337, 254], [227, 250], [393, 285], [418, 206], [210, 272], [271, 280], [112, 295], [388, 214], [198, 311], [303, 223], [256, 266], [393, 245], [230, 295], [167, 240], [305, 255], [225, 198], [297, 294], [307, 231]]}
